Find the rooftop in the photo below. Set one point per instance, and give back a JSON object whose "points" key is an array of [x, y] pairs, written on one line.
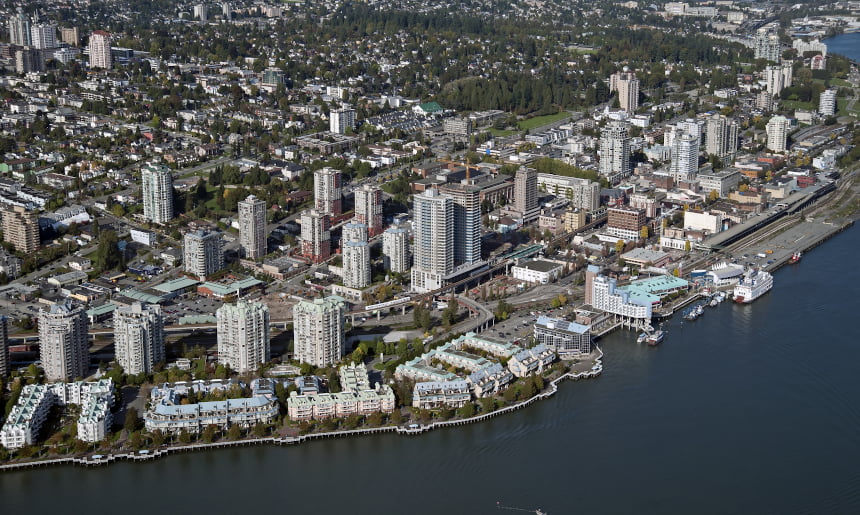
{"points": [[560, 324], [176, 285], [540, 265]]}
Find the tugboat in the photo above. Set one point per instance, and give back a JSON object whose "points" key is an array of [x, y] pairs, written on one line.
{"points": [[656, 337], [795, 257]]}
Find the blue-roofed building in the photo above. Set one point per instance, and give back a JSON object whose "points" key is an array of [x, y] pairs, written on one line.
{"points": [[568, 339], [438, 394], [531, 361], [168, 415], [490, 380]]}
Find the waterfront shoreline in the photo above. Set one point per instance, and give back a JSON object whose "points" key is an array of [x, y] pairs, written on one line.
{"points": [[549, 391]]}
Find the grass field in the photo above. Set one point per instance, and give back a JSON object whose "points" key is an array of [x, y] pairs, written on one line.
{"points": [[500, 133], [842, 104], [796, 104], [537, 121]]}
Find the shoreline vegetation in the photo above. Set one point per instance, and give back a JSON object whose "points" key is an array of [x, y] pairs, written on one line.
{"points": [[89, 459]]}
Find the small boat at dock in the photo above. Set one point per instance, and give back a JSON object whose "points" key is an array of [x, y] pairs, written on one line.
{"points": [[656, 337]]}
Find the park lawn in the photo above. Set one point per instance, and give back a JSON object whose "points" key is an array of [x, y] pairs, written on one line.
{"points": [[211, 192], [796, 104], [501, 133], [537, 121], [841, 107]]}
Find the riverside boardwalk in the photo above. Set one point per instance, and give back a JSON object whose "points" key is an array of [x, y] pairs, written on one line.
{"points": [[586, 369]]}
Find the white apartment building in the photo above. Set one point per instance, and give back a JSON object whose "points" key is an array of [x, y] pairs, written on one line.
{"points": [[138, 337], [356, 264], [342, 120], [395, 248], [615, 151], [19, 30], [441, 394], [685, 157], [531, 361], [721, 136], [202, 253], [827, 102], [27, 416], [252, 227], [96, 419], [316, 235], [627, 86], [35, 402], [321, 406], [722, 181], [353, 377], [63, 341], [168, 415], [100, 56], [318, 327], [4, 346], [802, 46], [778, 77], [702, 221], [44, 35], [766, 44], [525, 193], [157, 192], [490, 380], [368, 208], [605, 297], [582, 193], [328, 195], [433, 226], [243, 335], [777, 133], [537, 272], [353, 231]]}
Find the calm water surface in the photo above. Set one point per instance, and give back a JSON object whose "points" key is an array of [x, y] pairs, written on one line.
{"points": [[750, 409], [845, 44]]}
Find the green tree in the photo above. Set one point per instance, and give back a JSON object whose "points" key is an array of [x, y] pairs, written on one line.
{"points": [[131, 420], [234, 433], [108, 256], [467, 410], [449, 315], [209, 433], [397, 416], [260, 430], [135, 440]]}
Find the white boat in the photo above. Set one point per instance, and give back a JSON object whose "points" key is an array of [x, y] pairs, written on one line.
{"points": [[642, 338], [752, 285], [656, 337]]}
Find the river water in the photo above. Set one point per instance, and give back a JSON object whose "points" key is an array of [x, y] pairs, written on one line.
{"points": [[845, 44], [750, 409]]}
